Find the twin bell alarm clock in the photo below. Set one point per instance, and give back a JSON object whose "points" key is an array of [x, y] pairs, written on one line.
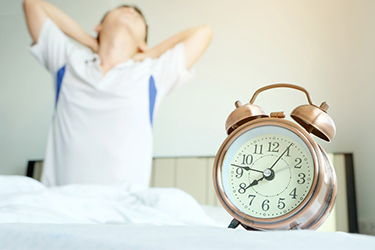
{"points": [[269, 173]]}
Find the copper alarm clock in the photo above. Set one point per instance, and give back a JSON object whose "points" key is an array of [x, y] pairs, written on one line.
{"points": [[269, 173]]}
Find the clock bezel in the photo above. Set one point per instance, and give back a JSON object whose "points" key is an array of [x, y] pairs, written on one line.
{"points": [[302, 211]]}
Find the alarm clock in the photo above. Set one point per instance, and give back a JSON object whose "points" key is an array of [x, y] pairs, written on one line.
{"points": [[270, 173]]}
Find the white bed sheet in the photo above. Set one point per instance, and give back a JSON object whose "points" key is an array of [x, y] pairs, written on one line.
{"points": [[25, 200], [147, 236], [113, 217]]}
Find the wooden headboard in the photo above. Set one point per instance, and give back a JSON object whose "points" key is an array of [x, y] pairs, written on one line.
{"points": [[194, 176]]}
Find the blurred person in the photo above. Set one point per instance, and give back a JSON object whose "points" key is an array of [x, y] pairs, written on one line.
{"points": [[101, 132]]}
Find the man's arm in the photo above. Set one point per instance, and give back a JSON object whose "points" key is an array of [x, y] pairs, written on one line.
{"points": [[196, 41], [36, 11]]}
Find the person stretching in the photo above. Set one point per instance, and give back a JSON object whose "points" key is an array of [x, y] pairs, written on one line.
{"points": [[101, 132]]}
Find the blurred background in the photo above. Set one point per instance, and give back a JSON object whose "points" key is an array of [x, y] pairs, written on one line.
{"points": [[325, 46]]}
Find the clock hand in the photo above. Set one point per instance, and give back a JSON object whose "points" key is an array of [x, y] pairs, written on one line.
{"points": [[247, 168], [255, 182], [281, 169], [269, 174], [281, 155]]}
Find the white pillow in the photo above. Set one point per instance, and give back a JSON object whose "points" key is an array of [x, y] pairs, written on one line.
{"points": [[18, 183]]}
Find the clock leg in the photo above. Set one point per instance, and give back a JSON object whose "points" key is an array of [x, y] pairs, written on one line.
{"points": [[250, 228], [234, 223], [295, 226]]}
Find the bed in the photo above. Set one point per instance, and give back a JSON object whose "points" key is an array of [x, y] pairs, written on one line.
{"points": [[171, 215]]}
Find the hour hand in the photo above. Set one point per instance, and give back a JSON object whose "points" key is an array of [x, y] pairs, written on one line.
{"points": [[247, 168], [255, 182]]}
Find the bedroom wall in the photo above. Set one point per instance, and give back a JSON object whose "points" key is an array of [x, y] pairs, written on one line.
{"points": [[325, 46]]}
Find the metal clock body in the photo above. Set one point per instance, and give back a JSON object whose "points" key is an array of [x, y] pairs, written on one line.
{"points": [[270, 174]]}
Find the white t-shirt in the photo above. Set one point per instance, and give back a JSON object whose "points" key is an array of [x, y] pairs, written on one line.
{"points": [[101, 132]]}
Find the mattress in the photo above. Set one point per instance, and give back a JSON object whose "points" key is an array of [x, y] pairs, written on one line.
{"points": [[115, 217], [149, 236]]}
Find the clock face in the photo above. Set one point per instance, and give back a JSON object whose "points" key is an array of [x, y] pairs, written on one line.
{"points": [[268, 171]]}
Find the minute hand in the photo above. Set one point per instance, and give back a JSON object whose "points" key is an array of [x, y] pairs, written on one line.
{"points": [[281, 155], [247, 168]]}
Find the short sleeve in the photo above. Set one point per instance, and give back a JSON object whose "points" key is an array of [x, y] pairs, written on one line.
{"points": [[52, 47], [169, 70]]}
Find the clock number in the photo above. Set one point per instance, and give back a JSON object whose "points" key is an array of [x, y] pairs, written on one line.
{"points": [[299, 162], [293, 193], [275, 147], [242, 189], [281, 204], [239, 172], [247, 159], [260, 149], [251, 196], [288, 150], [302, 180], [265, 205]]}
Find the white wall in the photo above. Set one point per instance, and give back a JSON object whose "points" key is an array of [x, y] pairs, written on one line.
{"points": [[325, 46]]}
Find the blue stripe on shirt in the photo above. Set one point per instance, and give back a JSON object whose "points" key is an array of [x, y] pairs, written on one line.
{"points": [[152, 97], [59, 78]]}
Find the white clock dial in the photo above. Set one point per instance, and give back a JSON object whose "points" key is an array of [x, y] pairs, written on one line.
{"points": [[268, 174]]}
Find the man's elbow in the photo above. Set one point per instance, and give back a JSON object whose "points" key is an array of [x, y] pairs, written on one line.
{"points": [[207, 30], [197, 44], [203, 35], [27, 4]]}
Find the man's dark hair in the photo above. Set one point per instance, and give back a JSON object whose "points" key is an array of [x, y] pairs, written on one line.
{"points": [[127, 6]]}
